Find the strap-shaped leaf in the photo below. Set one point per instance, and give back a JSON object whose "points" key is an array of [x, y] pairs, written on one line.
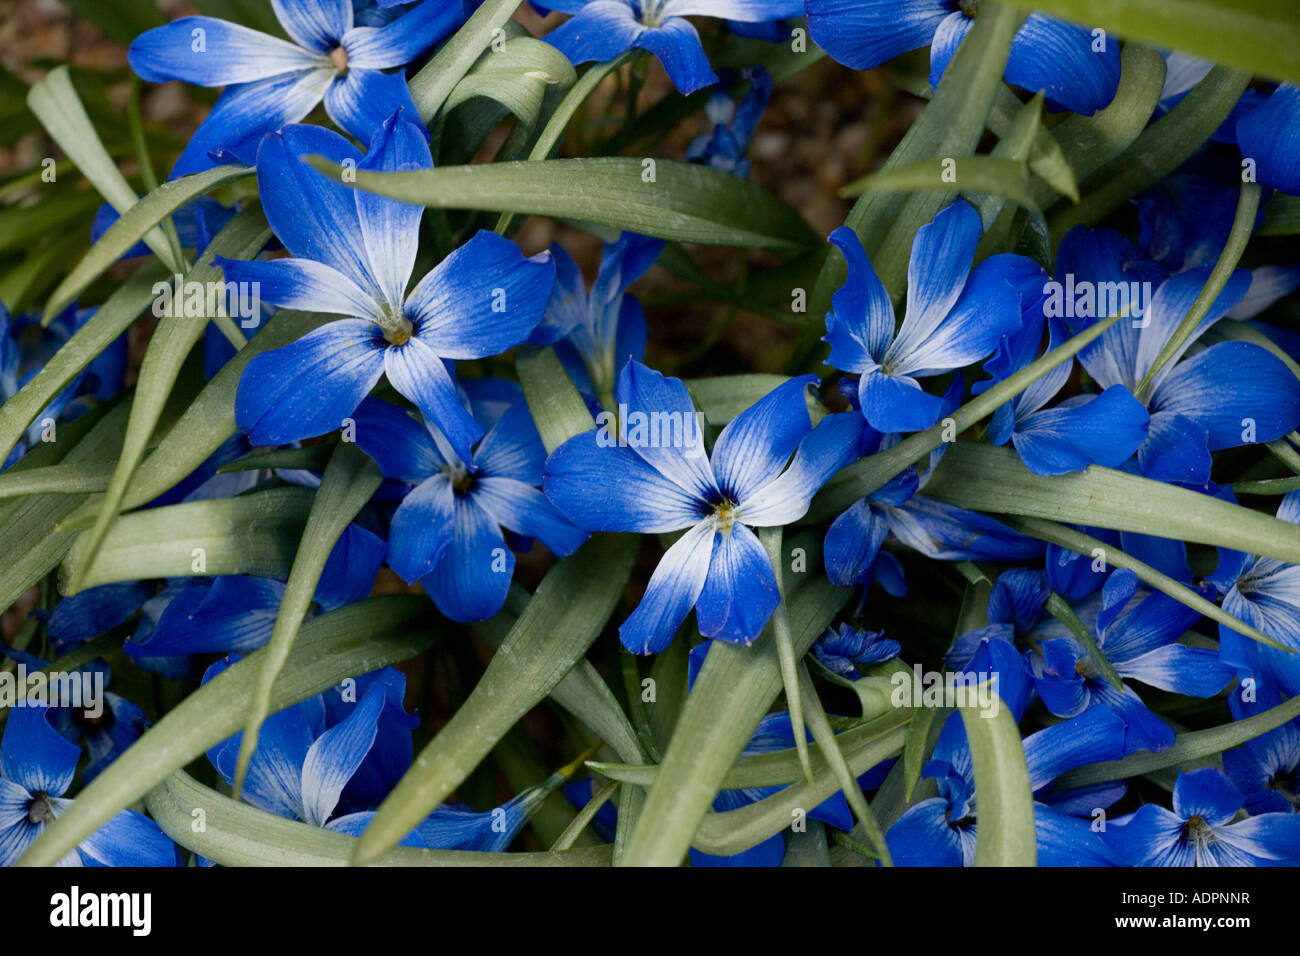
{"points": [[662, 198], [255, 533], [348, 642], [564, 617], [349, 481], [732, 692], [135, 224], [984, 478], [1260, 36], [1005, 835]]}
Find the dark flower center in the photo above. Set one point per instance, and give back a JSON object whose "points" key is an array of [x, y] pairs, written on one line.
{"points": [[969, 7], [1196, 830], [39, 809]]}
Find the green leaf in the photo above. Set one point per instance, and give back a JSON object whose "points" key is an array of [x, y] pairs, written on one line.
{"points": [[348, 642], [1282, 217], [558, 410], [1088, 546], [922, 734], [1187, 747], [236, 834], [134, 224], [1005, 835], [732, 692], [56, 105], [172, 341], [210, 420], [74, 478], [349, 480], [1089, 142], [519, 76], [1008, 178], [34, 542], [984, 478], [723, 398], [950, 126], [121, 22], [564, 617], [1163, 146], [1259, 36], [435, 81], [256, 534], [686, 201]]}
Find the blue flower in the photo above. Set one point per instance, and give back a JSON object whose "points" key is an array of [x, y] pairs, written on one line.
{"points": [[724, 146], [941, 831], [1084, 430], [36, 768], [235, 612], [353, 256], [653, 476], [447, 530], [954, 317], [329, 761], [25, 347], [1264, 593], [272, 82], [843, 650], [1229, 394], [606, 29], [596, 332], [1266, 769], [1074, 67], [1200, 830], [1138, 632]]}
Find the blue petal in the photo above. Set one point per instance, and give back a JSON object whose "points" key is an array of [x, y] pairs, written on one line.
{"points": [[233, 129], [602, 30], [335, 755], [421, 529], [349, 572], [1069, 841], [613, 489], [923, 837], [419, 373], [362, 101], [756, 445], [471, 578], [390, 228], [316, 24], [936, 274], [33, 754], [1206, 793], [860, 325], [512, 448], [947, 533], [523, 509], [1230, 388], [483, 299], [852, 543], [234, 613], [398, 42], [1151, 837], [1060, 60], [862, 34], [740, 593], [397, 442], [947, 38], [302, 284], [1195, 672], [832, 445], [1104, 430], [647, 394], [1171, 302], [229, 53], [1270, 135], [1176, 450], [308, 388], [674, 587], [86, 614], [1017, 597], [314, 215], [1092, 737], [676, 44], [129, 839], [897, 403]]}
